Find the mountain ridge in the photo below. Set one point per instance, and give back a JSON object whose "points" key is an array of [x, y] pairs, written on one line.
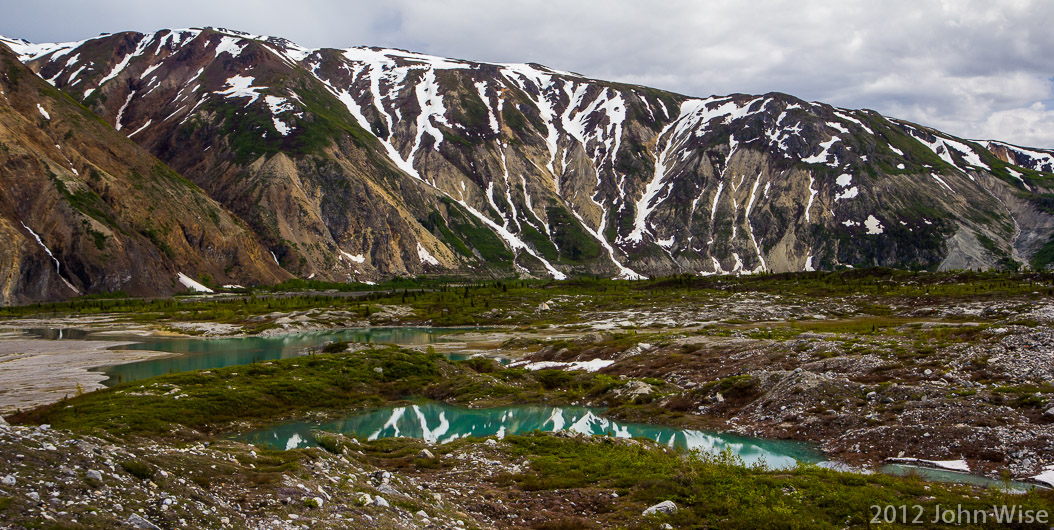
{"points": [[86, 210], [415, 164]]}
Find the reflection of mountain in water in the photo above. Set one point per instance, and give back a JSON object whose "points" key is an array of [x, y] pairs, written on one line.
{"points": [[441, 423]]}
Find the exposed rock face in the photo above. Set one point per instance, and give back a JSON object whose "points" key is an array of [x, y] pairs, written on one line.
{"points": [[85, 210], [365, 163]]}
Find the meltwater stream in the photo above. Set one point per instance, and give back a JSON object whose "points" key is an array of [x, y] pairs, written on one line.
{"points": [[439, 423]]}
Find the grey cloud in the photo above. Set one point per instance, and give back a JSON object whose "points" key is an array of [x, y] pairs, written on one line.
{"points": [[973, 68]]}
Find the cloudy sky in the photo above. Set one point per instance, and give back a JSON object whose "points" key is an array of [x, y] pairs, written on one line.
{"points": [[979, 69]]}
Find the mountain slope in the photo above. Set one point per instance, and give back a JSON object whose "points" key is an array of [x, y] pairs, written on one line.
{"points": [[368, 162], [85, 210]]}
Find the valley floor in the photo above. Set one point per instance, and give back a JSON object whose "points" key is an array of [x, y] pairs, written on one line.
{"points": [[869, 365]]}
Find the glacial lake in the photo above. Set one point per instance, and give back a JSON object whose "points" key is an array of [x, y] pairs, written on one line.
{"points": [[438, 423], [209, 353], [943, 475]]}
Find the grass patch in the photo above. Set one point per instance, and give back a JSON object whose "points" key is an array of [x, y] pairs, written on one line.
{"points": [[718, 492], [260, 392], [139, 469]]}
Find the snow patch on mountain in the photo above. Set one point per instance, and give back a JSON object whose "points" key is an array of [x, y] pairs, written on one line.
{"points": [[192, 285], [425, 256], [58, 268], [847, 194], [120, 112], [823, 156], [354, 258], [278, 105], [943, 147], [117, 69], [873, 225], [492, 119], [512, 240], [241, 86], [231, 45], [432, 111], [941, 182]]}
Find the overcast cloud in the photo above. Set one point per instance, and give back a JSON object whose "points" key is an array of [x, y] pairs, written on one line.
{"points": [[978, 69]]}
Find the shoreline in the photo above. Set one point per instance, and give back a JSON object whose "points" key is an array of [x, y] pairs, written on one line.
{"points": [[38, 372]]}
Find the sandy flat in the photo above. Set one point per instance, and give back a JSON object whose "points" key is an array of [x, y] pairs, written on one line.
{"points": [[36, 372]]}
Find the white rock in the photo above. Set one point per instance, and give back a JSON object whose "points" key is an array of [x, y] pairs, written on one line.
{"points": [[379, 501], [8, 480], [138, 522], [664, 507], [93, 474]]}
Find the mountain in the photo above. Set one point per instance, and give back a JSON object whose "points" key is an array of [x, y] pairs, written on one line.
{"points": [[86, 210], [365, 163]]}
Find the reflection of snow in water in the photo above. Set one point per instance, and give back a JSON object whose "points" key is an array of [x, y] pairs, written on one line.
{"points": [[294, 442], [440, 423]]}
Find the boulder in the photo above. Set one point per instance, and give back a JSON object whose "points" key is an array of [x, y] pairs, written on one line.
{"points": [[664, 507], [138, 522], [387, 489], [425, 453], [379, 501]]}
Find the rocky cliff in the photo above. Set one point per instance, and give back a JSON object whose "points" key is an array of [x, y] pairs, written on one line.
{"points": [[85, 210]]}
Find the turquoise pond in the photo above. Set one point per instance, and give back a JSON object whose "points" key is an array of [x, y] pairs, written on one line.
{"points": [[206, 354], [438, 422]]}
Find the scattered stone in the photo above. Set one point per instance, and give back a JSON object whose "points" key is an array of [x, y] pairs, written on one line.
{"points": [[425, 453], [8, 480], [387, 489], [138, 522], [1049, 413], [664, 507], [379, 501], [93, 474], [634, 388]]}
